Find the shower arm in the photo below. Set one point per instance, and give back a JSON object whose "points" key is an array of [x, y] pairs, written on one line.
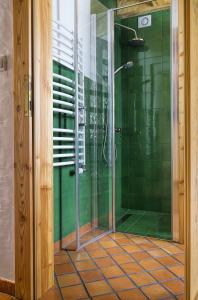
{"points": [[118, 70], [129, 28]]}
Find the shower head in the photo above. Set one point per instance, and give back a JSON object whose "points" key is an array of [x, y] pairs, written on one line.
{"points": [[136, 41], [128, 65]]}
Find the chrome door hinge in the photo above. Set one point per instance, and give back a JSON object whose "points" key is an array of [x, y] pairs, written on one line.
{"points": [[28, 96]]}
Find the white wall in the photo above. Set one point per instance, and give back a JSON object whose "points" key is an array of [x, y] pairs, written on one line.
{"points": [[6, 146]]}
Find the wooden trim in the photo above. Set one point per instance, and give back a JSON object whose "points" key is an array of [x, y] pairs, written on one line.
{"points": [[23, 150], [181, 101], [178, 135], [43, 147], [7, 287], [141, 9], [191, 130]]}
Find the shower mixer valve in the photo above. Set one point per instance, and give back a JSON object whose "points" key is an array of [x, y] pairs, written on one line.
{"points": [[118, 130]]}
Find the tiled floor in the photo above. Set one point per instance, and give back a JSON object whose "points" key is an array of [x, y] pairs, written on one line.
{"points": [[6, 297], [146, 223], [120, 266]]}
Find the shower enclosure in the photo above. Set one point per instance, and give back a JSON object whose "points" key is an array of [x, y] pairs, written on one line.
{"points": [[113, 122]]}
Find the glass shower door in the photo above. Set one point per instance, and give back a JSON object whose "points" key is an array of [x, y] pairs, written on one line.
{"points": [[95, 117]]}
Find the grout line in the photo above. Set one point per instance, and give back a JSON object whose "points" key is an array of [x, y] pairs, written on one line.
{"points": [[111, 256], [78, 272], [59, 288], [155, 269], [105, 279], [127, 274]]}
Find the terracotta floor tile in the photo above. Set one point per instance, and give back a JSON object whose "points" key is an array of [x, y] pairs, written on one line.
{"points": [[144, 260], [147, 246], [68, 279], [78, 256], [161, 243], [181, 246], [85, 265], [180, 257], [92, 246], [61, 252], [124, 258], [106, 297], [52, 294], [111, 272], [181, 297], [133, 294], [75, 292], [115, 251], [61, 259], [98, 253], [117, 235], [172, 249], [177, 270], [130, 268], [124, 241], [150, 264], [131, 248], [104, 262], [175, 286], [108, 244], [143, 278], [90, 276], [138, 239], [140, 255], [168, 261], [106, 238], [162, 275], [98, 288], [64, 268], [157, 252], [121, 283], [155, 292]]}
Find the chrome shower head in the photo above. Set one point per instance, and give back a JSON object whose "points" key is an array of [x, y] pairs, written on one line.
{"points": [[136, 42], [128, 65]]}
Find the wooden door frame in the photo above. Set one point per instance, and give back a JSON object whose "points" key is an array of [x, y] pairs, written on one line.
{"points": [[33, 146], [191, 148], [33, 158]]}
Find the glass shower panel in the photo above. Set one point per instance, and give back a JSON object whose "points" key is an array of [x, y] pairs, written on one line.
{"points": [[95, 124]]}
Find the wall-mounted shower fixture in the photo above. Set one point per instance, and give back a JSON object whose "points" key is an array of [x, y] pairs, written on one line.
{"points": [[136, 41], [128, 65]]}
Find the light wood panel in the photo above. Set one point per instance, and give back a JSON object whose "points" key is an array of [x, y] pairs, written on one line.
{"points": [[181, 94], [191, 130], [23, 150], [43, 151], [178, 129], [141, 9]]}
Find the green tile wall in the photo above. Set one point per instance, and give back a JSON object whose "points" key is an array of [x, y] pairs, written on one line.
{"points": [[109, 3], [146, 117]]}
